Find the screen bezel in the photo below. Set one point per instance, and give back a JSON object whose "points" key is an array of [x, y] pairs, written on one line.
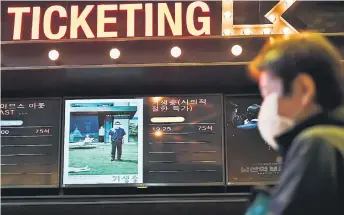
{"points": [[227, 160], [143, 185], [58, 150]]}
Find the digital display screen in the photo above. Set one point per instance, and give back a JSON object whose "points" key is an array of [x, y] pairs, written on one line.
{"points": [[144, 141], [30, 134], [250, 160]]}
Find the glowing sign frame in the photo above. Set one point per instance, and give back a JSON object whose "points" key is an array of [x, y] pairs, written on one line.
{"points": [[278, 26], [78, 20]]}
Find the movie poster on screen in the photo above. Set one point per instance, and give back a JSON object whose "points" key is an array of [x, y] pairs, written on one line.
{"points": [[103, 141], [250, 160], [184, 141], [30, 137]]}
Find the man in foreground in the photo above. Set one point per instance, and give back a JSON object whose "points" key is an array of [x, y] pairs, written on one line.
{"points": [[117, 135], [302, 117]]}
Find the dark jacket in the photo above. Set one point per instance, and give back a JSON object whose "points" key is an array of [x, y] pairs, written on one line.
{"points": [[117, 134], [312, 178]]}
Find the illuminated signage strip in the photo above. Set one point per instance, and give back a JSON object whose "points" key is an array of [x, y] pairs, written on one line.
{"points": [[106, 16], [278, 26], [74, 20]]}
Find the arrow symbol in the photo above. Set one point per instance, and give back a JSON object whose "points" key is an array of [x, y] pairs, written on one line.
{"points": [[278, 26]]}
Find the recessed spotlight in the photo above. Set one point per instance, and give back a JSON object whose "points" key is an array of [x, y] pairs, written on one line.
{"points": [[53, 55], [236, 50], [176, 52], [115, 53]]}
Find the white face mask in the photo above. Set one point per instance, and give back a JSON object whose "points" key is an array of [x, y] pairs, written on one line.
{"points": [[270, 124]]}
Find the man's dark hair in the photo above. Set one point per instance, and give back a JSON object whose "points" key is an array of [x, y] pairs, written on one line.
{"points": [[305, 53]]}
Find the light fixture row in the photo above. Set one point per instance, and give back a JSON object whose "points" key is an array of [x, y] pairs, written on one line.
{"points": [[250, 31], [115, 53]]}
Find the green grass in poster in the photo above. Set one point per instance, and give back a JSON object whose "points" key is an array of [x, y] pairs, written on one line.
{"points": [[99, 160]]}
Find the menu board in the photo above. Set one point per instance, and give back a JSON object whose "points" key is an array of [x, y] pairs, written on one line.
{"points": [[30, 134], [150, 141], [250, 160]]}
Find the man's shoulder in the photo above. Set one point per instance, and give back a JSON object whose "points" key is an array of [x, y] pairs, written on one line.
{"points": [[323, 131], [317, 143], [331, 135]]}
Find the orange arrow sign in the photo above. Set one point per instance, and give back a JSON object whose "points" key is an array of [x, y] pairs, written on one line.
{"points": [[278, 26]]}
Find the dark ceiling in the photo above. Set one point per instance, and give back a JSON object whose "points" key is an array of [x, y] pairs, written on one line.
{"points": [[120, 81]]}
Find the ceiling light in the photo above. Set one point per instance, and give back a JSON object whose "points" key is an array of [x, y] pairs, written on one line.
{"points": [[53, 55], [176, 52], [115, 53], [236, 50]]}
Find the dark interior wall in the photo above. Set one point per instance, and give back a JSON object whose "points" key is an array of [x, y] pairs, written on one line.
{"points": [[126, 81], [144, 67]]}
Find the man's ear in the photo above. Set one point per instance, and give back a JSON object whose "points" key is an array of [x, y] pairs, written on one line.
{"points": [[307, 88]]}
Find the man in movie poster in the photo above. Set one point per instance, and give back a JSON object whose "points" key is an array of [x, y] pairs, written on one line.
{"points": [[117, 135], [113, 133]]}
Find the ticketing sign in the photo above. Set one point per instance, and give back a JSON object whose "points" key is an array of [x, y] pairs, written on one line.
{"points": [[92, 20], [25, 21]]}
